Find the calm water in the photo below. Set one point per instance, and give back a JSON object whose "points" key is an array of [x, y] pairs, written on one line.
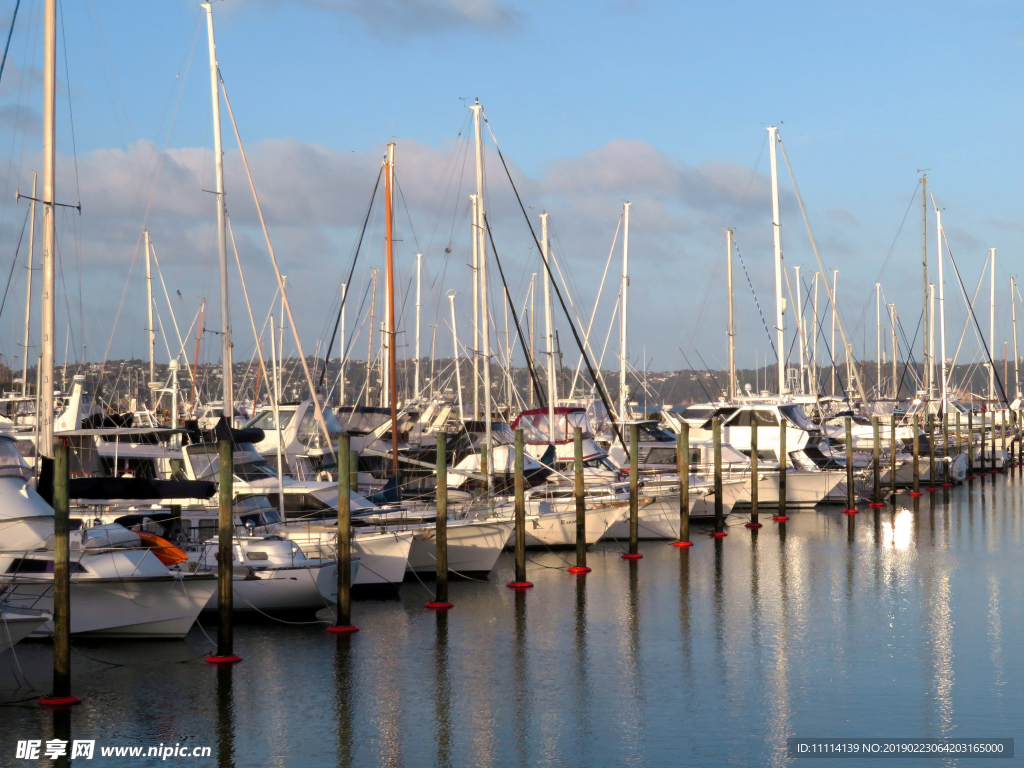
{"points": [[902, 623]]}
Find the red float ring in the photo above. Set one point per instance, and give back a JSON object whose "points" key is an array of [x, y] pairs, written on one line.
{"points": [[443, 606], [519, 585], [682, 543], [754, 525], [232, 659], [59, 701], [629, 556], [344, 629], [579, 569]]}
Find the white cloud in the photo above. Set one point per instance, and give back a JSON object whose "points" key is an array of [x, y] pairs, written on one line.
{"points": [[423, 16]]}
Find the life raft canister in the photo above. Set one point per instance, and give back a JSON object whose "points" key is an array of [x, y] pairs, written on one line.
{"points": [[165, 552]]}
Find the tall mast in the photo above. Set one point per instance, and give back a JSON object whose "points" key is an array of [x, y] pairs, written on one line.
{"points": [[416, 378], [28, 291], [341, 347], [895, 353], [484, 320], [878, 338], [924, 271], [369, 339], [942, 310], [623, 317], [222, 243], [548, 330], [389, 304], [801, 337], [931, 341], [835, 289], [475, 345], [992, 328], [533, 278], [44, 443], [455, 355], [780, 302], [732, 328], [1013, 311], [814, 340], [477, 225], [149, 313]]}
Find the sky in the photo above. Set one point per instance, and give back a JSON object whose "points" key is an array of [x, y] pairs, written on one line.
{"points": [[663, 104]]}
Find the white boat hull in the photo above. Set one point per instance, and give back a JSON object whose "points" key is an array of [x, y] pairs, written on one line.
{"points": [[158, 607], [16, 625], [274, 589], [803, 489], [555, 523], [473, 546]]}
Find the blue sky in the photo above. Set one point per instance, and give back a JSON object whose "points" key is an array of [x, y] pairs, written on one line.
{"points": [[661, 103]]}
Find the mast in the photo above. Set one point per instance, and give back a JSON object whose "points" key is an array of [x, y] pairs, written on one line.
{"points": [[222, 243], [277, 418], [992, 328], [814, 339], [924, 272], [835, 289], [942, 310], [44, 443], [149, 314], [801, 336], [895, 353], [780, 301], [28, 291], [477, 256], [533, 278], [369, 340], [389, 304], [1013, 311], [931, 341], [341, 346], [548, 331], [416, 377], [623, 317], [732, 328], [455, 355], [878, 338], [484, 320]]}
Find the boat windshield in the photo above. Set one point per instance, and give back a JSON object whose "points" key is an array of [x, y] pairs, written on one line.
{"points": [[795, 415], [11, 462], [537, 432], [651, 432], [265, 420]]}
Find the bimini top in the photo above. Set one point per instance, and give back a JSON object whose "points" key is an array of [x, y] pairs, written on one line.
{"points": [[537, 431]]}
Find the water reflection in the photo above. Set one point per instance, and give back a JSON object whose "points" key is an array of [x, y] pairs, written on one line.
{"points": [[897, 533], [521, 700], [442, 691], [581, 693], [343, 698], [225, 716]]}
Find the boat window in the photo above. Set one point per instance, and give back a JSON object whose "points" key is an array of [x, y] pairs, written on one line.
{"points": [[653, 432], [579, 419], [204, 463], [698, 412], [252, 472], [11, 462], [763, 418], [207, 529], [661, 456], [535, 428], [265, 420], [34, 565], [253, 555], [795, 414], [502, 434]]}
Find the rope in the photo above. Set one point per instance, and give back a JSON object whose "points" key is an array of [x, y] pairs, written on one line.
{"points": [[756, 302]]}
